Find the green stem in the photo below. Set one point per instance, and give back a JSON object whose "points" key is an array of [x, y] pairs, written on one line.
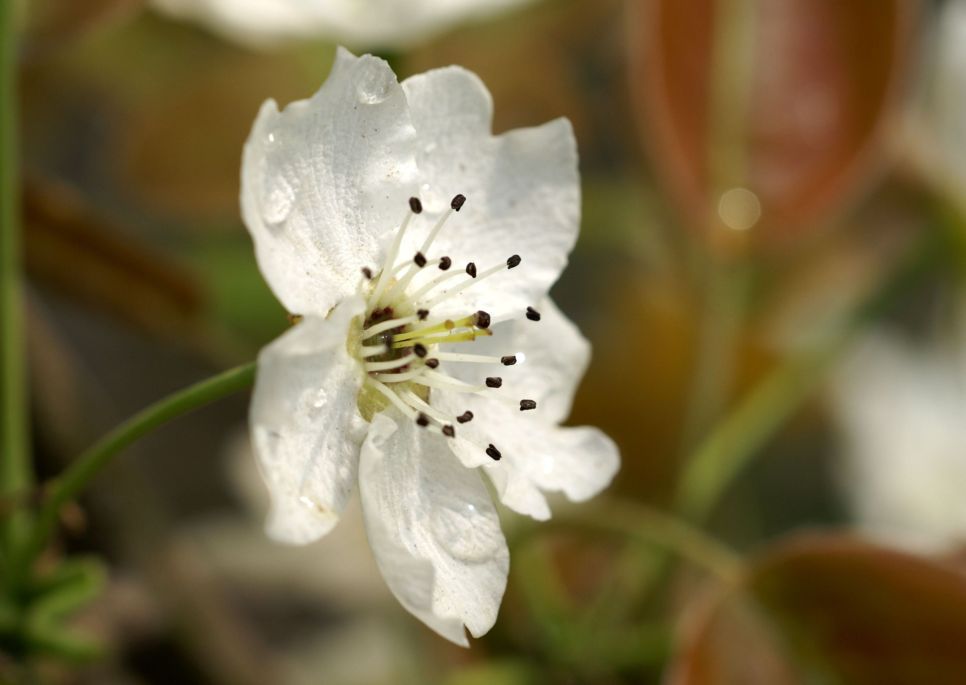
{"points": [[733, 443], [15, 468], [80, 473]]}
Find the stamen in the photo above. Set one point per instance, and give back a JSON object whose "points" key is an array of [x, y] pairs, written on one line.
{"points": [[367, 272], [443, 326], [375, 329], [408, 411], [448, 431], [432, 283], [445, 263], [367, 351], [471, 269], [439, 339], [420, 350], [419, 260], [465, 417], [472, 358], [435, 379], [422, 314], [533, 314], [466, 284], [494, 381], [422, 419], [513, 261], [457, 202], [415, 207], [508, 360], [493, 453], [399, 377], [432, 363], [418, 402], [526, 405], [391, 364]]}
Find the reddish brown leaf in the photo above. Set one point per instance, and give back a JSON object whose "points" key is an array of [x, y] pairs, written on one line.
{"points": [[840, 609], [788, 100]]}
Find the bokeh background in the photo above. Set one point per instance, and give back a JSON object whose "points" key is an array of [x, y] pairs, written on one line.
{"points": [[770, 270]]}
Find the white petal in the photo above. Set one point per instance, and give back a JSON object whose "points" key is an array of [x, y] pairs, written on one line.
{"points": [[537, 456], [306, 428], [552, 357], [326, 181], [372, 23], [522, 189], [433, 529]]}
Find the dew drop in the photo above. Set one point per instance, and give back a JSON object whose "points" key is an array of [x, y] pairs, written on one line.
{"points": [[463, 531], [278, 199], [374, 87]]}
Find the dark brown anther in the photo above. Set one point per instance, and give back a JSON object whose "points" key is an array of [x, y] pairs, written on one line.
{"points": [[508, 360], [432, 362], [415, 205], [482, 319], [420, 259], [493, 453], [471, 269], [420, 350], [422, 314], [449, 431], [422, 420], [367, 272], [465, 417], [457, 202], [513, 261], [445, 263], [494, 381], [533, 314], [526, 405]]}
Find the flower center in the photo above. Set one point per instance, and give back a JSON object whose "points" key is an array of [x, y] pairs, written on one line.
{"points": [[398, 339]]}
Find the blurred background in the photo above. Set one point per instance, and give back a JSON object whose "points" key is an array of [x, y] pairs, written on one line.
{"points": [[770, 269]]}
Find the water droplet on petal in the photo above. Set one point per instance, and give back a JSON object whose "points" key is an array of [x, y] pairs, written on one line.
{"points": [[374, 86], [278, 200], [466, 533]]}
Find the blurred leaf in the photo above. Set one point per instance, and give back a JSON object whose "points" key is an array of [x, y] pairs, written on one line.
{"points": [[788, 99], [53, 23], [74, 250], [844, 611], [495, 673]]}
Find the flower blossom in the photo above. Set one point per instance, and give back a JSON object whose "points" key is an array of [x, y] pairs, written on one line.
{"points": [[368, 23], [417, 250], [902, 411]]}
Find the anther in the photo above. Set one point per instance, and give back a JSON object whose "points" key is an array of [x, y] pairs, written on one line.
{"points": [[367, 272], [513, 261], [527, 404], [533, 314], [420, 259], [422, 314], [465, 417], [415, 205], [508, 360], [432, 363], [482, 319], [422, 420], [457, 202], [420, 350], [493, 381], [493, 453], [471, 269], [445, 263], [449, 431]]}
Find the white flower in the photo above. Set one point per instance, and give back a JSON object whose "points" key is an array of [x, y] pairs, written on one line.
{"points": [[361, 23], [903, 414], [373, 385]]}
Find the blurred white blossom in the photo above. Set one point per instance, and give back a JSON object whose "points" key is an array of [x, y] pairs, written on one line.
{"points": [[359, 23], [396, 375], [902, 410]]}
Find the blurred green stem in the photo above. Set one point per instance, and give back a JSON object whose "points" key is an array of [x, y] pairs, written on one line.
{"points": [[15, 468], [80, 473], [737, 438]]}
